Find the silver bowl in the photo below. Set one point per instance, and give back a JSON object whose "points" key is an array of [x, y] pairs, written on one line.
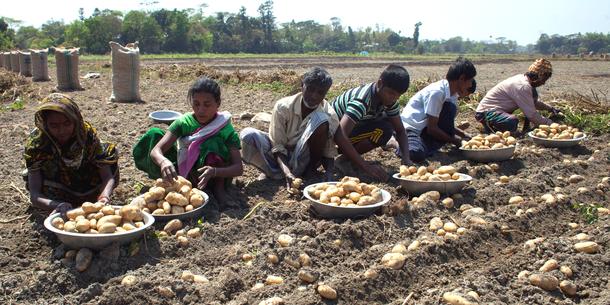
{"points": [[97, 241], [415, 187], [330, 211], [164, 116], [489, 155], [555, 142], [195, 213]]}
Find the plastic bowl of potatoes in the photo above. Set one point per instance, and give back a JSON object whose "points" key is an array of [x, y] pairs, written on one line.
{"points": [[348, 198], [495, 147], [96, 226], [556, 135], [418, 180]]}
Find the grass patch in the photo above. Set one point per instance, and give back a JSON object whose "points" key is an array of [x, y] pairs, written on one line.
{"points": [[275, 86], [587, 211], [593, 123]]}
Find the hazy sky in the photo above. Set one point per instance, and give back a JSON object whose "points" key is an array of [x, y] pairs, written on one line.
{"points": [[520, 20]]}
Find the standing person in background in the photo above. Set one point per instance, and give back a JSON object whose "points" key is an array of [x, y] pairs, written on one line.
{"points": [[495, 111], [67, 164], [429, 116], [370, 114]]}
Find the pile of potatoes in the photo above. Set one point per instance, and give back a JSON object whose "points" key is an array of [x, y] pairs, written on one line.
{"points": [[496, 140], [96, 218], [430, 173], [558, 132], [349, 192], [167, 198]]}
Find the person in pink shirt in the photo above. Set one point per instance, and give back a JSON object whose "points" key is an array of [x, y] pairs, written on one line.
{"points": [[495, 111]]}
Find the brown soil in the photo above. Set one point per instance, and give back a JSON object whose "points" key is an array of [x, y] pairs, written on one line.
{"points": [[486, 259]]}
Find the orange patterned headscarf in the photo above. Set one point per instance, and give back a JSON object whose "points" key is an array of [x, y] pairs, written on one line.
{"points": [[541, 67]]}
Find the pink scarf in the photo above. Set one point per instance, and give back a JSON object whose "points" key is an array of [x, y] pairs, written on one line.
{"points": [[189, 146]]}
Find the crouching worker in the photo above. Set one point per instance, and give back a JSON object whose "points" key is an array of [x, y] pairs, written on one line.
{"points": [[495, 111], [207, 150], [429, 116], [302, 135], [66, 162]]}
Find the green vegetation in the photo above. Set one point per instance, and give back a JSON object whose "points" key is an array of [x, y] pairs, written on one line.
{"points": [[594, 123], [18, 104], [190, 31], [587, 211]]}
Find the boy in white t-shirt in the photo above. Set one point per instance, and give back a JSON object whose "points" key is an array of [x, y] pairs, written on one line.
{"points": [[429, 116]]}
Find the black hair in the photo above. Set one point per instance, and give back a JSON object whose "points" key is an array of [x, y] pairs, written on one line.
{"points": [[205, 85], [473, 88], [317, 77], [396, 78], [461, 66], [534, 76]]}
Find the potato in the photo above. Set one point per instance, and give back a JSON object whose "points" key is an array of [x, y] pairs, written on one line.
{"points": [[152, 205], [196, 200], [172, 226], [568, 288], [450, 227], [194, 233], [107, 210], [183, 241], [272, 259], [307, 276], [516, 200], [167, 207], [327, 292], [107, 227], [549, 265], [130, 213], [129, 280], [187, 276], [72, 214], [184, 190], [183, 181], [82, 225], [453, 298], [544, 281], [158, 212], [128, 226], [588, 247], [274, 280], [393, 260], [89, 208], [139, 202], [447, 169], [176, 199], [188, 208], [92, 231], [355, 197], [115, 219], [83, 259], [284, 240], [156, 193], [176, 209], [70, 226], [57, 223]]}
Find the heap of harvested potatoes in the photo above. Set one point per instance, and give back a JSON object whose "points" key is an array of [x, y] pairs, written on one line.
{"points": [[430, 173], [95, 218], [170, 198], [349, 192], [496, 140], [558, 132]]}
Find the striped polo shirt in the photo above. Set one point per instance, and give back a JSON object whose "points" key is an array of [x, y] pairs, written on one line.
{"points": [[358, 104]]}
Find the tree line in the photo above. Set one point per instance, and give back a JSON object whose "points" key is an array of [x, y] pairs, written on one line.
{"points": [[192, 31]]}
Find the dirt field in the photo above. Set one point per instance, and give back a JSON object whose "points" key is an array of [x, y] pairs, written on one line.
{"points": [[487, 259]]}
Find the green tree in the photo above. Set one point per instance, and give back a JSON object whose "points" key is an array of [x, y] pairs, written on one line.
{"points": [[139, 26], [267, 20], [76, 33], [52, 32], [104, 26], [416, 34], [25, 35]]}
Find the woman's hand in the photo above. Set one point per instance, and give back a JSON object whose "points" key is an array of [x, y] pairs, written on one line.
{"points": [[62, 208], [207, 173], [168, 171]]}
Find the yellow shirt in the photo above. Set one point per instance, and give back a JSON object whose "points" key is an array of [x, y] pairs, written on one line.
{"points": [[288, 125]]}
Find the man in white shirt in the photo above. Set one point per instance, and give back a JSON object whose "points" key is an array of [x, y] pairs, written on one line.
{"points": [[429, 116]]}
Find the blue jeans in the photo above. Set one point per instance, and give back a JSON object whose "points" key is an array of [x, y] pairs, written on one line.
{"points": [[423, 145]]}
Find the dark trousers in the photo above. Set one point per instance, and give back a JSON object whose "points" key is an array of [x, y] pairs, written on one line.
{"points": [[423, 145]]}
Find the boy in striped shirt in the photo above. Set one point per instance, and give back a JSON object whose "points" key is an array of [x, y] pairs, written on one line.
{"points": [[370, 114]]}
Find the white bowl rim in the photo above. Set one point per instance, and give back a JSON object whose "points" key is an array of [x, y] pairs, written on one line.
{"points": [[378, 204], [491, 149], [47, 224], [466, 178], [531, 135], [176, 115]]}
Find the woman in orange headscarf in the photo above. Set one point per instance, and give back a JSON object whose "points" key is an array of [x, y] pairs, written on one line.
{"points": [[67, 164], [495, 111]]}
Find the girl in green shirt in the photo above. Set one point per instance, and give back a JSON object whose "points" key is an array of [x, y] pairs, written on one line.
{"points": [[207, 150]]}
